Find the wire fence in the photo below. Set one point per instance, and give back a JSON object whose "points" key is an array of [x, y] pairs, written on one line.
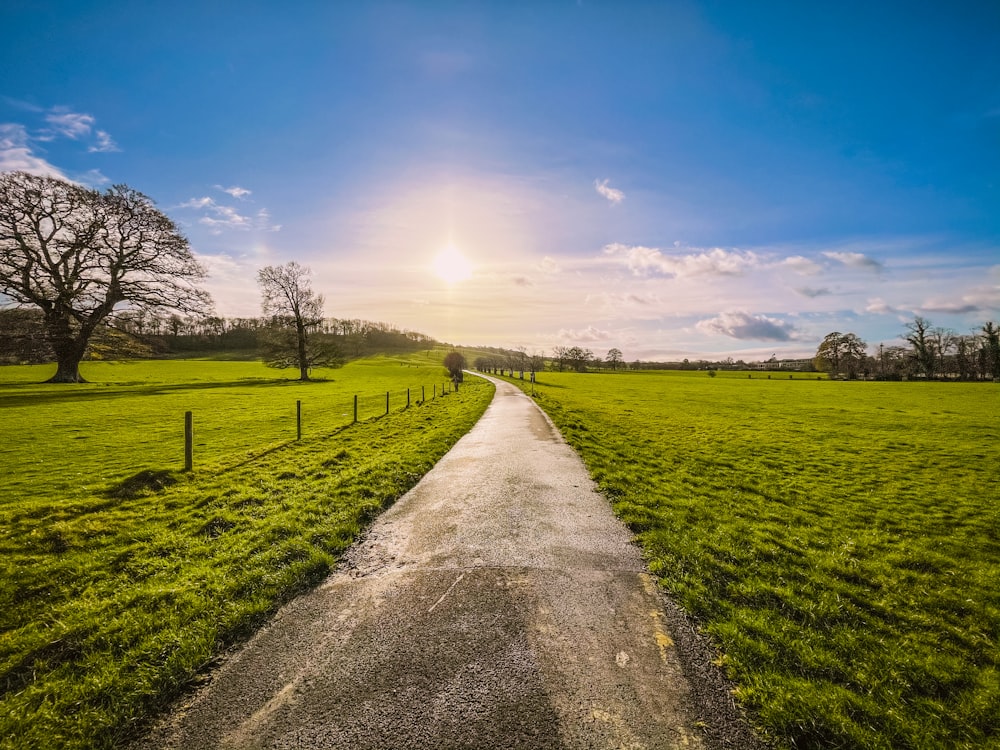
{"points": [[316, 417]]}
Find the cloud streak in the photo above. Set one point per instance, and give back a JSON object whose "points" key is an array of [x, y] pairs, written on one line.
{"points": [[19, 144], [17, 155], [588, 335], [645, 261], [744, 326], [219, 217], [854, 260], [614, 195], [237, 192]]}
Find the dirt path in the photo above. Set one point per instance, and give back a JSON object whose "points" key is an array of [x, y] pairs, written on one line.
{"points": [[499, 604]]}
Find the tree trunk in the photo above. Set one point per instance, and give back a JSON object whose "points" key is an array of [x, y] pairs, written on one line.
{"points": [[68, 356], [303, 359], [69, 348]]}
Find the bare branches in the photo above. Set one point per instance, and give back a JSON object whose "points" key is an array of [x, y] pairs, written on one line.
{"points": [[77, 254], [289, 299], [286, 291]]}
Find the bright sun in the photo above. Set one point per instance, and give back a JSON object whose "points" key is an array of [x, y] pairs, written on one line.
{"points": [[451, 266]]}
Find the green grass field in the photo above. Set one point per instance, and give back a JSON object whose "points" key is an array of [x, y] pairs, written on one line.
{"points": [[130, 417], [122, 577], [839, 541]]}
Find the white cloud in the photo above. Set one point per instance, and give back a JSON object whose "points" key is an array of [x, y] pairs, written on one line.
{"points": [[854, 260], [879, 306], [72, 125], [17, 143], [225, 217], [950, 307], [643, 261], [590, 334], [743, 325], [612, 194], [218, 217], [104, 143], [94, 177], [235, 191], [547, 265], [802, 265], [16, 153], [76, 126], [263, 222], [197, 203]]}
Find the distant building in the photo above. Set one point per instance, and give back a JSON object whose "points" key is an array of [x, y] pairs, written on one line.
{"points": [[790, 365]]}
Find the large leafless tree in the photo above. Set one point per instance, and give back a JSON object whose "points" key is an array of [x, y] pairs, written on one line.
{"points": [[78, 255], [296, 313]]}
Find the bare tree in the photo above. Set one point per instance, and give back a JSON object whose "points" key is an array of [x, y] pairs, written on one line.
{"points": [[560, 357], [296, 311], [537, 362], [79, 255], [925, 354]]}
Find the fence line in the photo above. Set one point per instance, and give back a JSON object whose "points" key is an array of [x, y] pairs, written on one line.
{"points": [[365, 407]]}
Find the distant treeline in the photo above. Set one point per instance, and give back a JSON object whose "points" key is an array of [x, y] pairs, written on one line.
{"points": [[133, 334], [931, 353]]}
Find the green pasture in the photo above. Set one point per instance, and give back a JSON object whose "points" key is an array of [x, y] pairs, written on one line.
{"points": [[839, 541], [65, 441], [122, 577]]}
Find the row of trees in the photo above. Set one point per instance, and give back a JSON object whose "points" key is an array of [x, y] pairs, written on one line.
{"points": [[933, 352], [579, 359], [509, 361]]}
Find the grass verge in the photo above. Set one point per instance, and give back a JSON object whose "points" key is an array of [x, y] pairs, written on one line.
{"points": [[113, 600], [839, 542]]}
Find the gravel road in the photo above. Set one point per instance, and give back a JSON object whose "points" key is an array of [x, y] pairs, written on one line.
{"points": [[499, 604]]}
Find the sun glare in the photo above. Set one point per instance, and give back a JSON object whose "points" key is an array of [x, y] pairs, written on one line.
{"points": [[451, 266]]}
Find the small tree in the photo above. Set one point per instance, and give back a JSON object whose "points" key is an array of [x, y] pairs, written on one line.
{"points": [[614, 358], [296, 311], [560, 356], [79, 255], [454, 363]]}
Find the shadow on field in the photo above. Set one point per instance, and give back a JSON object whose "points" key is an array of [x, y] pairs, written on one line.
{"points": [[543, 383], [144, 483], [63, 392]]}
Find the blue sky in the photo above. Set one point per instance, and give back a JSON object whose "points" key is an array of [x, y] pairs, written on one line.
{"points": [[675, 179]]}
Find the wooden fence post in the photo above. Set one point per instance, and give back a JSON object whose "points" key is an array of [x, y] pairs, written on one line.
{"points": [[298, 420], [387, 402], [423, 393], [407, 398], [188, 441], [355, 407]]}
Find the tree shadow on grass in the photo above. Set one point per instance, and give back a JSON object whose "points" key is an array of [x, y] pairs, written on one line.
{"points": [[61, 393], [146, 482]]}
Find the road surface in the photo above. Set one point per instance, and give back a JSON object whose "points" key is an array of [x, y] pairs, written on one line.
{"points": [[499, 604]]}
